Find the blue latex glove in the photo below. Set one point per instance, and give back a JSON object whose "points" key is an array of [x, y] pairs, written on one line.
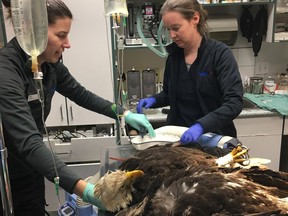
{"points": [[88, 196], [146, 103], [136, 120], [192, 134]]}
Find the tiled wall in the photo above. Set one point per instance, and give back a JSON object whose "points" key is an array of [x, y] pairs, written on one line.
{"points": [[271, 60]]}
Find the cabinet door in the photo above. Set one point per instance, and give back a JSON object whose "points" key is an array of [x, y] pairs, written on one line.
{"points": [[262, 136], [264, 147], [58, 113], [80, 116]]}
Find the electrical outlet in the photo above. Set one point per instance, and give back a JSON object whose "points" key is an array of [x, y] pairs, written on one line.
{"points": [[261, 68]]}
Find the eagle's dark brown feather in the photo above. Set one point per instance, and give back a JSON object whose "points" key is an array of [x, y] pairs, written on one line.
{"points": [[186, 181]]}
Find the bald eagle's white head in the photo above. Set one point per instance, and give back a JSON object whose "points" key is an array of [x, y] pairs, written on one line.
{"points": [[114, 189]]}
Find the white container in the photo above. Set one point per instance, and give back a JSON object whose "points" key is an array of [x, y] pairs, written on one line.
{"points": [[270, 85]]}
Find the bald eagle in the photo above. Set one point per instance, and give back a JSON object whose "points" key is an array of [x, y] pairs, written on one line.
{"points": [[115, 189], [186, 181]]}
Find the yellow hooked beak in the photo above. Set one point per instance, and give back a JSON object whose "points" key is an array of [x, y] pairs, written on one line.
{"points": [[134, 174]]}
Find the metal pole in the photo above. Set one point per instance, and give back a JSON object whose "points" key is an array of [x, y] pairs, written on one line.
{"points": [[6, 195], [115, 78]]}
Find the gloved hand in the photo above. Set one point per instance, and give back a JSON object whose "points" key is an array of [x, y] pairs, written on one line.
{"points": [[146, 103], [88, 196], [192, 134], [136, 120]]}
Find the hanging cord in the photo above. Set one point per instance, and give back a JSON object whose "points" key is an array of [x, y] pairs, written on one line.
{"points": [[40, 92], [162, 53], [151, 24]]}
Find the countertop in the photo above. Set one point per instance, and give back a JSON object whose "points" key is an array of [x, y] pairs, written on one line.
{"points": [[276, 102], [156, 115]]}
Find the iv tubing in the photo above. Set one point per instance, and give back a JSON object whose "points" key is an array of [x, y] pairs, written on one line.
{"points": [[39, 87], [56, 179], [161, 53]]}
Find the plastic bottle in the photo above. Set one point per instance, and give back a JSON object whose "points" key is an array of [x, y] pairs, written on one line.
{"points": [[30, 25], [246, 85], [282, 84], [270, 85], [113, 7]]}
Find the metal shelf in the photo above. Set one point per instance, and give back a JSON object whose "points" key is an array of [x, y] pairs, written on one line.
{"points": [[237, 3], [281, 37]]}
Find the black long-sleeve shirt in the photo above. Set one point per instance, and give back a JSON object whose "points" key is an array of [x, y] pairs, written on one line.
{"points": [[217, 89], [21, 113]]}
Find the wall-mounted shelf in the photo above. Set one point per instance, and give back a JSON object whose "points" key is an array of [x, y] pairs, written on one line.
{"points": [[236, 9], [227, 3], [281, 21]]}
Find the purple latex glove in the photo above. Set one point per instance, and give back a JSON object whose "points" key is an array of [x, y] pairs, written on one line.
{"points": [[192, 134], [146, 103]]}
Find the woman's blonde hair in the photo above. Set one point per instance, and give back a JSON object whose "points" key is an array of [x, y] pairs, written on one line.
{"points": [[188, 8]]}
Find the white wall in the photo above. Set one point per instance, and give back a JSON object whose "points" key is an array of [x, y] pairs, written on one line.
{"points": [[8, 24]]}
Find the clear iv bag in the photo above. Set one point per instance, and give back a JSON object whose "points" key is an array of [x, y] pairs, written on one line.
{"points": [[30, 23], [113, 7]]}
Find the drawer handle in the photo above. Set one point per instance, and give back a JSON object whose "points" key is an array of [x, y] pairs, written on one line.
{"points": [[61, 113], [71, 113], [63, 152]]}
